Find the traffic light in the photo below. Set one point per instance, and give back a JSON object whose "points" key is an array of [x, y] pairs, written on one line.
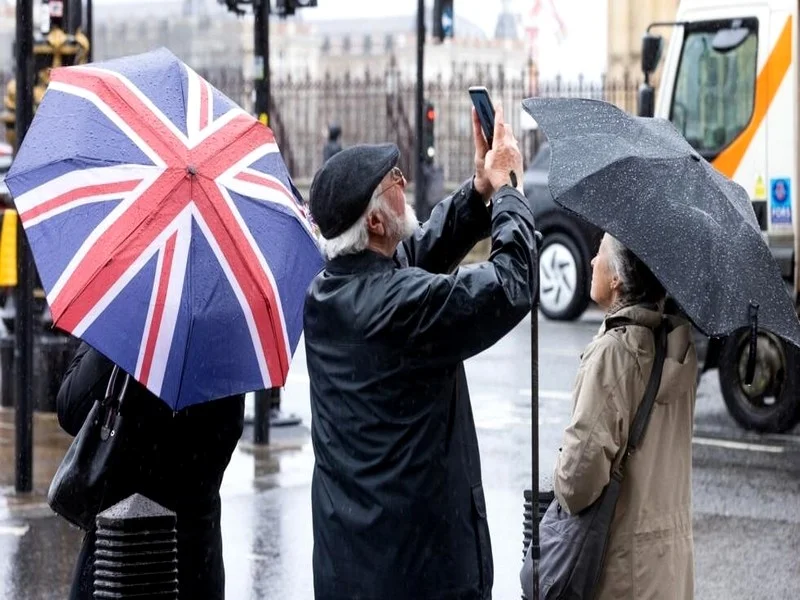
{"points": [[233, 6], [286, 8], [442, 19], [428, 122]]}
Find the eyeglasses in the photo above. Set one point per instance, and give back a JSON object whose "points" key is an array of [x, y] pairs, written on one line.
{"points": [[397, 179]]}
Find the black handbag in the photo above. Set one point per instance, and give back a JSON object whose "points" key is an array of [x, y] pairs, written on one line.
{"points": [[78, 488], [573, 547]]}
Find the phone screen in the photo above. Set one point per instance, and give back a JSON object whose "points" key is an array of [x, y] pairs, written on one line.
{"points": [[485, 108]]}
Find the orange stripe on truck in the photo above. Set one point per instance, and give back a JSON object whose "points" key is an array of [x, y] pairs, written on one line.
{"points": [[767, 84]]}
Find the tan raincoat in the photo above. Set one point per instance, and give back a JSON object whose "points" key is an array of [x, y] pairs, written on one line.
{"points": [[650, 554]]}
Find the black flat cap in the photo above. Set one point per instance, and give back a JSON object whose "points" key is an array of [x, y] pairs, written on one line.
{"points": [[343, 187]]}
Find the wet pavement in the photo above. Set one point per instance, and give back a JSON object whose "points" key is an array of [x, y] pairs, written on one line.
{"points": [[746, 487]]}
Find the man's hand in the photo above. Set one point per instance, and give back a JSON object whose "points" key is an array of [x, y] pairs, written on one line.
{"points": [[502, 164], [481, 182]]}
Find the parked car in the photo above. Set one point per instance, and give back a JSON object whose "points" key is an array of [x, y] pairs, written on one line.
{"points": [[568, 246]]}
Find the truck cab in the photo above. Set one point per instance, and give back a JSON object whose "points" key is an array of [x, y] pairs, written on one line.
{"points": [[729, 84]]}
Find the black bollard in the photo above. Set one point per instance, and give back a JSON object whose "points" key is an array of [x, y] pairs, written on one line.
{"points": [[136, 552], [527, 522], [543, 501], [527, 526]]}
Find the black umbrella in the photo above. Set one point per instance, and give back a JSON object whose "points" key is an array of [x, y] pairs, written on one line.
{"points": [[638, 179]]}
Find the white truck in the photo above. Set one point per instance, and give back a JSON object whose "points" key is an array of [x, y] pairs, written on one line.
{"points": [[729, 83]]}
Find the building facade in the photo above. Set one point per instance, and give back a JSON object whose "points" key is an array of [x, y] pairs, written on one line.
{"points": [[627, 23]]}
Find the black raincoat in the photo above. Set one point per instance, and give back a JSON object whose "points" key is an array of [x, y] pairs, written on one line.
{"points": [[397, 500], [176, 459]]}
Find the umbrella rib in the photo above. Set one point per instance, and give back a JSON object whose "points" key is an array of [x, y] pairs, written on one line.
{"points": [[121, 242], [236, 140], [602, 167], [275, 320], [284, 197], [170, 141]]}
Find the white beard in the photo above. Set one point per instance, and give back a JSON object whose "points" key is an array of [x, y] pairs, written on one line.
{"points": [[401, 227]]}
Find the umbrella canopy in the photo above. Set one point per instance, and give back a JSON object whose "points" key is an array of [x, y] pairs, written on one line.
{"points": [[165, 228], [640, 180]]}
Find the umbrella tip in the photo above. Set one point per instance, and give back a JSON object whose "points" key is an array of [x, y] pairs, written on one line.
{"points": [[191, 170]]}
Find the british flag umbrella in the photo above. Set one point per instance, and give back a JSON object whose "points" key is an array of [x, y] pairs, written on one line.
{"points": [[165, 228]]}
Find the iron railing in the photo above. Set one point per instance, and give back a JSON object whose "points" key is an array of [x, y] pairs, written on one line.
{"points": [[374, 108]]}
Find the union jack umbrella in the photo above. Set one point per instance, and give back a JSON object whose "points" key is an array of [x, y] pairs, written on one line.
{"points": [[165, 228]]}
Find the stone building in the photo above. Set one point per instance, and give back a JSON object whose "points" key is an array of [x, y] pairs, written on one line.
{"points": [[627, 23]]}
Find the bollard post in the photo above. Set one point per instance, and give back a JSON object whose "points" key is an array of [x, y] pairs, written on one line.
{"points": [[545, 498], [263, 402], [527, 526], [136, 552], [543, 501], [527, 522]]}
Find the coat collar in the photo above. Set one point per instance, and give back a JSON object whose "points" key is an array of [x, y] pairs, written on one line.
{"points": [[647, 315], [367, 260]]}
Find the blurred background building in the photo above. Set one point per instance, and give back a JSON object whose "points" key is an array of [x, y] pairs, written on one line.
{"points": [[627, 22], [327, 65]]}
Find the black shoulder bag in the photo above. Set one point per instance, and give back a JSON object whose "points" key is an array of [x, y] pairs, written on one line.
{"points": [[78, 488], [573, 547]]}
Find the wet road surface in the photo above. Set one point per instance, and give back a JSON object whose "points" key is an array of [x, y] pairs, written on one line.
{"points": [[746, 487]]}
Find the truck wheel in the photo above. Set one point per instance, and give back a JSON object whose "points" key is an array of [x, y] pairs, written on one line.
{"points": [[563, 292], [772, 403]]}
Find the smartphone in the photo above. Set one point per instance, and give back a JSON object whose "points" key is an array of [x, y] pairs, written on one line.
{"points": [[485, 108]]}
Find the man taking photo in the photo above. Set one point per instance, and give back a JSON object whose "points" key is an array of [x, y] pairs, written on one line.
{"points": [[397, 500]]}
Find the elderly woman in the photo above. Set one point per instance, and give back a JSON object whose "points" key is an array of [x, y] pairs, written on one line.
{"points": [[650, 552]]}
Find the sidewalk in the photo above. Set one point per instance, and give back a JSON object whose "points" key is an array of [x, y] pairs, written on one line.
{"points": [[49, 445], [263, 484]]}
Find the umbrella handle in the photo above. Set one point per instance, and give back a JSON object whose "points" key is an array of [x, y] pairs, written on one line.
{"points": [[751, 358]]}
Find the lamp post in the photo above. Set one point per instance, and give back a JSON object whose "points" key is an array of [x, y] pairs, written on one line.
{"points": [[420, 185], [23, 327], [263, 398]]}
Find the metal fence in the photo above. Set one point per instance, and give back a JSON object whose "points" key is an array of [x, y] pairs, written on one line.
{"points": [[380, 108], [376, 108]]}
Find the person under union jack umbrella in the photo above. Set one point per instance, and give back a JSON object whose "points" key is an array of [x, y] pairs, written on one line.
{"points": [[170, 238]]}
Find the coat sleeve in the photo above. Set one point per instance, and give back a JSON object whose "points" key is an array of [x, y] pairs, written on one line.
{"points": [[448, 318], [597, 430], [456, 224], [84, 382]]}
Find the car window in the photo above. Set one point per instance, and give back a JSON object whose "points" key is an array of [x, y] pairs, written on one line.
{"points": [[714, 92]]}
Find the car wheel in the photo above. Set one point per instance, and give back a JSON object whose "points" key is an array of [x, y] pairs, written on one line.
{"points": [[563, 293], [771, 404]]}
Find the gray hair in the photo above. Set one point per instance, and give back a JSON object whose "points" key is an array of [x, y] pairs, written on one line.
{"points": [[356, 238], [638, 284]]}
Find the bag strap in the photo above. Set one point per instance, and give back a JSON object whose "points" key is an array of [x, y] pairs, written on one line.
{"points": [[112, 383], [112, 403], [642, 417]]}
